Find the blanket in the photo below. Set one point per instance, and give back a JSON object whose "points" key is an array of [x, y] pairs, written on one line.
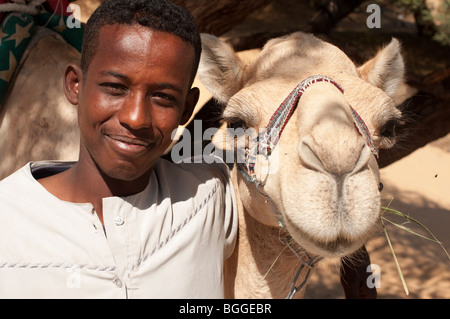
{"points": [[18, 21]]}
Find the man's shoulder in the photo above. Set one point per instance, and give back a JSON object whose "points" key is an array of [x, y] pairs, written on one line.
{"points": [[192, 180], [18, 178], [28, 174], [21, 188], [18, 196]]}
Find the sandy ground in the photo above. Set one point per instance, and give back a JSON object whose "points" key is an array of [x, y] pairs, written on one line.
{"points": [[419, 186]]}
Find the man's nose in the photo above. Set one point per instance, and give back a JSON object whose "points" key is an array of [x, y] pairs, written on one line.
{"points": [[136, 113]]}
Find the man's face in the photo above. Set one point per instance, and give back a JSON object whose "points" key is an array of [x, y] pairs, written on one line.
{"points": [[135, 93]]}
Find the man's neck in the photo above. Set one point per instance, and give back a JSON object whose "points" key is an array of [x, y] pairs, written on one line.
{"points": [[86, 184]]}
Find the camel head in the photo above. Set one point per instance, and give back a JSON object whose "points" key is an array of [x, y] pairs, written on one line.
{"points": [[320, 179]]}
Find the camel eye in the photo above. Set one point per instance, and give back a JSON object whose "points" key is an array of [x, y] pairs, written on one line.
{"points": [[388, 130], [236, 123]]}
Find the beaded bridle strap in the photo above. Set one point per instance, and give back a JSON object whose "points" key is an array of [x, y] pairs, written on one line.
{"points": [[265, 142]]}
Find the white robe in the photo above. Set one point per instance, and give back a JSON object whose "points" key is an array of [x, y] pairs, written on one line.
{"points": [[168, 241]]}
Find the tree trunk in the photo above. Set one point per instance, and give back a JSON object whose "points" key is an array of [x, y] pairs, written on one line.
{"points": [[218, 17], [424, 20], [329, 14]]}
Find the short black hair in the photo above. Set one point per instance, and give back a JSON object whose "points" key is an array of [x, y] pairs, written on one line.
{"points": [[158, 15]]}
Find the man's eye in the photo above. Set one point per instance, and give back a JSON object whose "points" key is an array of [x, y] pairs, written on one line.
{"points": [[164, 99], [114, 88]]}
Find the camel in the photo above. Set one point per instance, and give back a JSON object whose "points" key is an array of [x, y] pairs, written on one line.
{"points": [[322, 197]]}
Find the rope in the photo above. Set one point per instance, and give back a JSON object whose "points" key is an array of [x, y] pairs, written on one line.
{"points": [[305, 260], [31, 8]]}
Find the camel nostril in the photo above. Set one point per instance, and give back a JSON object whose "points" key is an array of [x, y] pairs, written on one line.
{"points": [[309, 158], [363, 160], [338, 161]]}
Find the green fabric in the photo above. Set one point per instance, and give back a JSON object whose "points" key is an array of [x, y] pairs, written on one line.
{"points": [[16, 30], [58, 23], [15, 33]]}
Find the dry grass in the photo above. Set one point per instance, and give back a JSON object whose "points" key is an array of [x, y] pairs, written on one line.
{"points": [[428, 235]]}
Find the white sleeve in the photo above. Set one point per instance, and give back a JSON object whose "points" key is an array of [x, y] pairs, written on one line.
{"points": [[230, 213], [231, 217]]}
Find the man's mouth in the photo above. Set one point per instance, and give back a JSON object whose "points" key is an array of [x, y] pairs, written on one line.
{"points": [[129, 140], [128, 145]]}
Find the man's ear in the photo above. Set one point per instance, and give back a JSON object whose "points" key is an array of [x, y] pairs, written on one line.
{"points": [[189, 106], [73, 77]]}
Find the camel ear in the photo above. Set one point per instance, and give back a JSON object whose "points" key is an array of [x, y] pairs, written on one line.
{"points": [[386, 70], [220, 69]]}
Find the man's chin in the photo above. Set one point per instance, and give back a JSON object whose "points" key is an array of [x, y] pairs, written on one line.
{"points": [[125, 178]]}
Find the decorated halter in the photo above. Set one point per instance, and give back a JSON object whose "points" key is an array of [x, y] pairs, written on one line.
{"points": [[265, 142]]}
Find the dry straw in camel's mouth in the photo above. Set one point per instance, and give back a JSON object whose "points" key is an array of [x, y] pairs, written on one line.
{"points": [[386, 211]]}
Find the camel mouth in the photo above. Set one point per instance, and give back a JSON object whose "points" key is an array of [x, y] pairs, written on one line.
{"points": [[338, 246]]}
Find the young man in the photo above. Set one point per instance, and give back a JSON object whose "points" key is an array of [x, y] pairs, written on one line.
{"points": [[121, 222]]}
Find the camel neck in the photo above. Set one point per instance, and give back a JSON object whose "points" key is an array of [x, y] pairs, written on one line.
{"points": [[266, 267]]}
